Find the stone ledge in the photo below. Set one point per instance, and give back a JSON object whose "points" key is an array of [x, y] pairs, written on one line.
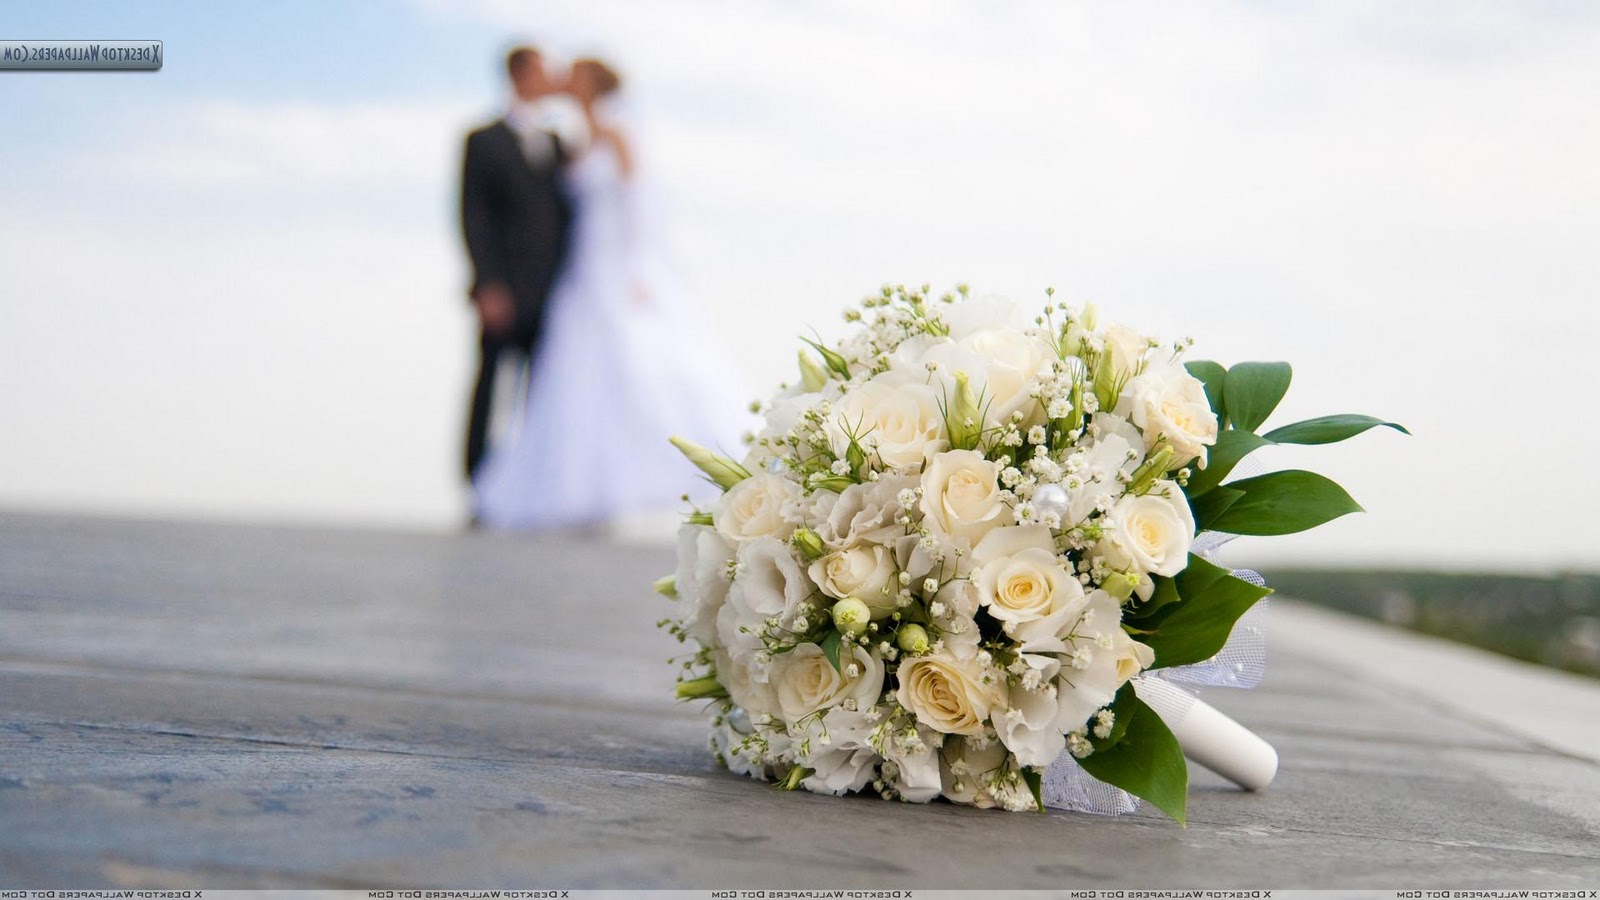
{"points": [[197, 705]]}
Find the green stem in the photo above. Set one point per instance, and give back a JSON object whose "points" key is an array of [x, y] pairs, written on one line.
{"points": [[792, 780]]}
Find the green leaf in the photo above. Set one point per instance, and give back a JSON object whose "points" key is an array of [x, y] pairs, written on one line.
{"points": [[1035, 782], [1147, 762], [1198, 574], [1122, 712], [1166, 592], [1252, 390], [830, 649], [1212, 505], [1146, 616], [1213, 600], [1232, 446], [1283, 502], [1211, 375], [1328, 429]]}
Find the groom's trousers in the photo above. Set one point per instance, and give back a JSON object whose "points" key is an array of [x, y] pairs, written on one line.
{"points": [[491, 350]]}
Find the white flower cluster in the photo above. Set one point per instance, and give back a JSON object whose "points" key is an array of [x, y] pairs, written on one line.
{"points": [[915, 580]]}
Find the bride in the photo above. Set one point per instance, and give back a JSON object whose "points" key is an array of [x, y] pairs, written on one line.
{"points": [[622, 365]]}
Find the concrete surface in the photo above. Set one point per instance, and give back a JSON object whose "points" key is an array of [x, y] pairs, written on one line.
{"points": [[191, 705]]}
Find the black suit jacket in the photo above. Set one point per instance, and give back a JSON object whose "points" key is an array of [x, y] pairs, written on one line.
{"points": [[515, 217]]}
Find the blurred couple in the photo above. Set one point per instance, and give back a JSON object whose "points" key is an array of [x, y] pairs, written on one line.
{"points": [[590, 355]]}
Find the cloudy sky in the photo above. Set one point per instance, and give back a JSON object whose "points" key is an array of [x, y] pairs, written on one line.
{"points": [[233, 288]]}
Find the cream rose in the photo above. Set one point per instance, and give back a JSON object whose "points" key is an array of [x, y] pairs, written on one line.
{"points": [[1019, 577], [961, 495], [1129, 656], [1165, 401], [753, 508], [805, 682], [1152, 533], [864, 571], [895, 414], [947, 694]]}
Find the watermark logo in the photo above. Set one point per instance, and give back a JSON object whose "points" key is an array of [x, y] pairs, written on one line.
{"points": [[81, 56]]}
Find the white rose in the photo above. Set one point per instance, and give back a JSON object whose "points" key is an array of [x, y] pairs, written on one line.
{"points": [[1019, 577], [947, 694], [1108, 424], [912, 766], [896, 414], [753, 508], [968, 774], [805, 682], [1000, 365], [1028, 728], [783, 412], [984, 777], [861, 512], [724, 740], [770, 584], [1016, 360], [1127, 347], [702, 580], [1151, 534], [756, 698], [1118, 449], [864, 571], [838, 767], [952, 611], [1092, 674], [984, 313], [1166, 401], [961, 495]]}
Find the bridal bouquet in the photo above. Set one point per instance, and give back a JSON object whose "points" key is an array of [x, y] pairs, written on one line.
{"points": [[963, 540]]}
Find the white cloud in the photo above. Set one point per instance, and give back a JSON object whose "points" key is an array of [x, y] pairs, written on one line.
{"points": [[261, 147]]}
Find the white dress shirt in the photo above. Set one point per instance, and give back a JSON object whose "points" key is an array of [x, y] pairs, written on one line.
{"points": [[555, 116]]}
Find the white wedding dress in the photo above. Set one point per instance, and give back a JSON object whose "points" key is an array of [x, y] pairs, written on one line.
{"points": [[622, 365]]}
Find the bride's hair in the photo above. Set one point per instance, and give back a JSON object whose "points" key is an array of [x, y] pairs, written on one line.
{"points": [[606, 79]]}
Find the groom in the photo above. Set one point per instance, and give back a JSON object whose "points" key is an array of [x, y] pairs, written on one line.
{"points": [[515, 218]]}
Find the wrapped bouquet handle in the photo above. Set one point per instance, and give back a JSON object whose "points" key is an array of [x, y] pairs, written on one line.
{"points": [[1210, 737]]}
